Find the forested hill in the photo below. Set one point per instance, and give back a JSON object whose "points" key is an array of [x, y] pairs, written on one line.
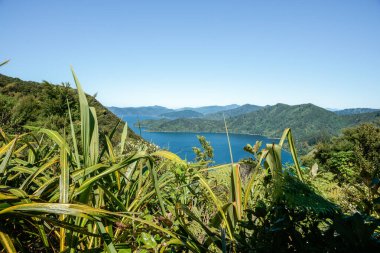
{"points": [[182, 114], [247, 108], [309, 123], [45, 105]]}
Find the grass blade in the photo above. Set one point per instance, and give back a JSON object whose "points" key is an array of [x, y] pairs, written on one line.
{"points": [[170, 156], [4, 62], [54, 135], [73, 136], [9, 149], [85, 120], [110, 248], [235, 193], [217, 203], [64, 186], [78, 210], [248, 188], [111, 169], [123, 140], [41, 169], [94, 143], [7, 243], [288, 134]]}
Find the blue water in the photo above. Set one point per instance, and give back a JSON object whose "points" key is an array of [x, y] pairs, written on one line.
{"points": [[182, 143]]}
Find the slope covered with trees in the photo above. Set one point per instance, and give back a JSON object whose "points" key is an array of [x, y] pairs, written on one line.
{"points": [[247, 108], [182, 114], [46, 105], [310, 123], [347, 168]]}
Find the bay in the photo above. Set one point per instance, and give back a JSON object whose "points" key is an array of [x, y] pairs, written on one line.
{"points": [[182, 143]]}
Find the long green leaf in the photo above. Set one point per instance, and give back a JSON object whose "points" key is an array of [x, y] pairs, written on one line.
{"points": [[235, 193], [123, 140], [54, 135], [156, 186], [94, 143], [78, 174], [288, 134], [64, 186], [108, 244], [111, 169], [59, 209], [7, 243], [73, 136], [4, 62], [170, 156], [41, 169], [248, 188], [85, 121], [9, 149]]}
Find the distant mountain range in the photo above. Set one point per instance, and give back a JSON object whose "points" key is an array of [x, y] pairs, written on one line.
{"points": [[211, 109], [160, 111], [214, 112], [140, 111], [309, 122], [355, 111]]}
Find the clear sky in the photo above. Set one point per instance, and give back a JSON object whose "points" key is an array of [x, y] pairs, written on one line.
{"points": [[199, 52]]}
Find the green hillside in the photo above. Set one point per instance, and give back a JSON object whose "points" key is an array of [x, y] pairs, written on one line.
{"points": [[45, 105], [247, 108], [309, 123], [182, 114]]}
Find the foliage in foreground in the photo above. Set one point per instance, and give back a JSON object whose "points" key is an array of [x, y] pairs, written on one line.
{"points": [[349, 169], [88, 195]]}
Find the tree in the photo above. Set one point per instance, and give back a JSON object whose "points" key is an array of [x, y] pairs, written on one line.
{"points": [[206, 152]]}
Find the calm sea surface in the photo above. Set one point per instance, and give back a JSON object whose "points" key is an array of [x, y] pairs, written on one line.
{"points": [[182, 143]]}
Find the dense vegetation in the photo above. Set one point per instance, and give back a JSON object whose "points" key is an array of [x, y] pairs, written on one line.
{"points": [[46, 105], [350, 166], [60, 193], [182, 114], [247, 108]]}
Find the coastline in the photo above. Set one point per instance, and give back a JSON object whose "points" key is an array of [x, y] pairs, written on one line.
{"points": [[201, 132]]}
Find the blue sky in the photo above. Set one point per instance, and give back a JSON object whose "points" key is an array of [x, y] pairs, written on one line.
{"points": [[194, 53]]}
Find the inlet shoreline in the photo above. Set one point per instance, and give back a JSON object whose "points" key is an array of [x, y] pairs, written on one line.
{"points": [[201, 132]]}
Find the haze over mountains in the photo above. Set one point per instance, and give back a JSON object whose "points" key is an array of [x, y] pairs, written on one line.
{"points": [[211, 112], [160, 111]]}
